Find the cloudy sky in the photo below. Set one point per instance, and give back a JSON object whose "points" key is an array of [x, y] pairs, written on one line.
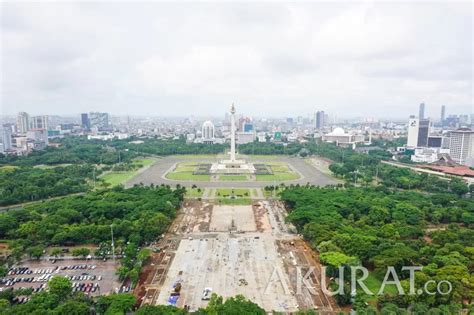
{"points": [[271, 59]]}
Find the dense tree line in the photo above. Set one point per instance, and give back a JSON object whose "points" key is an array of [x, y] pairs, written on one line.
{"points": [[137, 215], [72, 150], [268, 148], [22, 184], [171, 147], [379, 227]]}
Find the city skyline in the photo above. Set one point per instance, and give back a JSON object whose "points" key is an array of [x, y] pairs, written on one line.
{"points": [[273, 60]]}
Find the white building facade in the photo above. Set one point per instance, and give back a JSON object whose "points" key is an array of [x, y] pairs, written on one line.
{"points": [[461, 146], [207, 132]]}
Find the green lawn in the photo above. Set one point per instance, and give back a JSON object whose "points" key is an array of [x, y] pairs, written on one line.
{"points": [[277, 177], [281, 172], [226, 192], [145, 162], [237, 201], [263, 157], [270, 194], [194, 192], [197, 156], [187, 176], [45, 167], [185, 170], [185, 167], [117, 178], [233, 177]]}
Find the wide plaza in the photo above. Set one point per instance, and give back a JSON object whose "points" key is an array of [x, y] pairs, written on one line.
{"points": [[189, 171]]}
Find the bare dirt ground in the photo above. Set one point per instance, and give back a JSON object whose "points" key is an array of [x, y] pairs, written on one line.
{"points": [[246, 250]]}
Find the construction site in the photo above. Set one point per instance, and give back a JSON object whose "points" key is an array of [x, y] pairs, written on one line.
{"points": [[230, 250]]}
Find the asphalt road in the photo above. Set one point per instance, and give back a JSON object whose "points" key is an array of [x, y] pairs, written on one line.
{"points": [[155, 174]]}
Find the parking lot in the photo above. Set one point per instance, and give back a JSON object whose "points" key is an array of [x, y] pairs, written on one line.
{"points": [[93, 277]]}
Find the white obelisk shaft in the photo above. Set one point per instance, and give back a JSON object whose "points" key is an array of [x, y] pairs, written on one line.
{"points": [[232, 133]]}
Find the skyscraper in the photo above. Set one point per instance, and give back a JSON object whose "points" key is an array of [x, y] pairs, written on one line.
{"points": [[320, 119], [418, 131], [99, 120], [39, 122], [6, 137], [208, 132], [23, 122], [461, 146], [85, 121], [443, 113], [421, 114]]}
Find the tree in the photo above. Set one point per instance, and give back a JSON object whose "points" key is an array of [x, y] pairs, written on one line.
{"points": [[4, 304], [61, 286], [81, 252], [160, 310], [35, 251], [115, 304], [232, 306], [459, 187], [56, 252], [73, 308]]}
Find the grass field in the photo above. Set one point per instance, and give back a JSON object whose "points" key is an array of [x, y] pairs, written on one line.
{"points": [[194, 192], [276, 177], [233, 178], [8, 168], [187, 176], [270, 194], [185, 170], [237, 201], [281, 172], [45, 167], [197, 156], [262, 157], [238, 192], [117, 178]]}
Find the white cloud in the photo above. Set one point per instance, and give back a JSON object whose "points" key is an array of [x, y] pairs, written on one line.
{"points": [[272, 59]]}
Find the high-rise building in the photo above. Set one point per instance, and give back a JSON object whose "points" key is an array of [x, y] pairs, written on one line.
{"points": [[85, 121], [99, 120], [443, 113], [320, 119], [39, 136], [418, 131], [461, 146], [247, 127], [208, 132], [39, 122], [23, 122], [421, 114], [6, 138]]}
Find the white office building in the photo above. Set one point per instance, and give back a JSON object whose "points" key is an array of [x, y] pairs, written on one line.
{"points": [[100, 121], [245, 137], [418, 131], [207, 132], [22, 122], [39, 122], [5, 138], [461, 146], [342, 138]]}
